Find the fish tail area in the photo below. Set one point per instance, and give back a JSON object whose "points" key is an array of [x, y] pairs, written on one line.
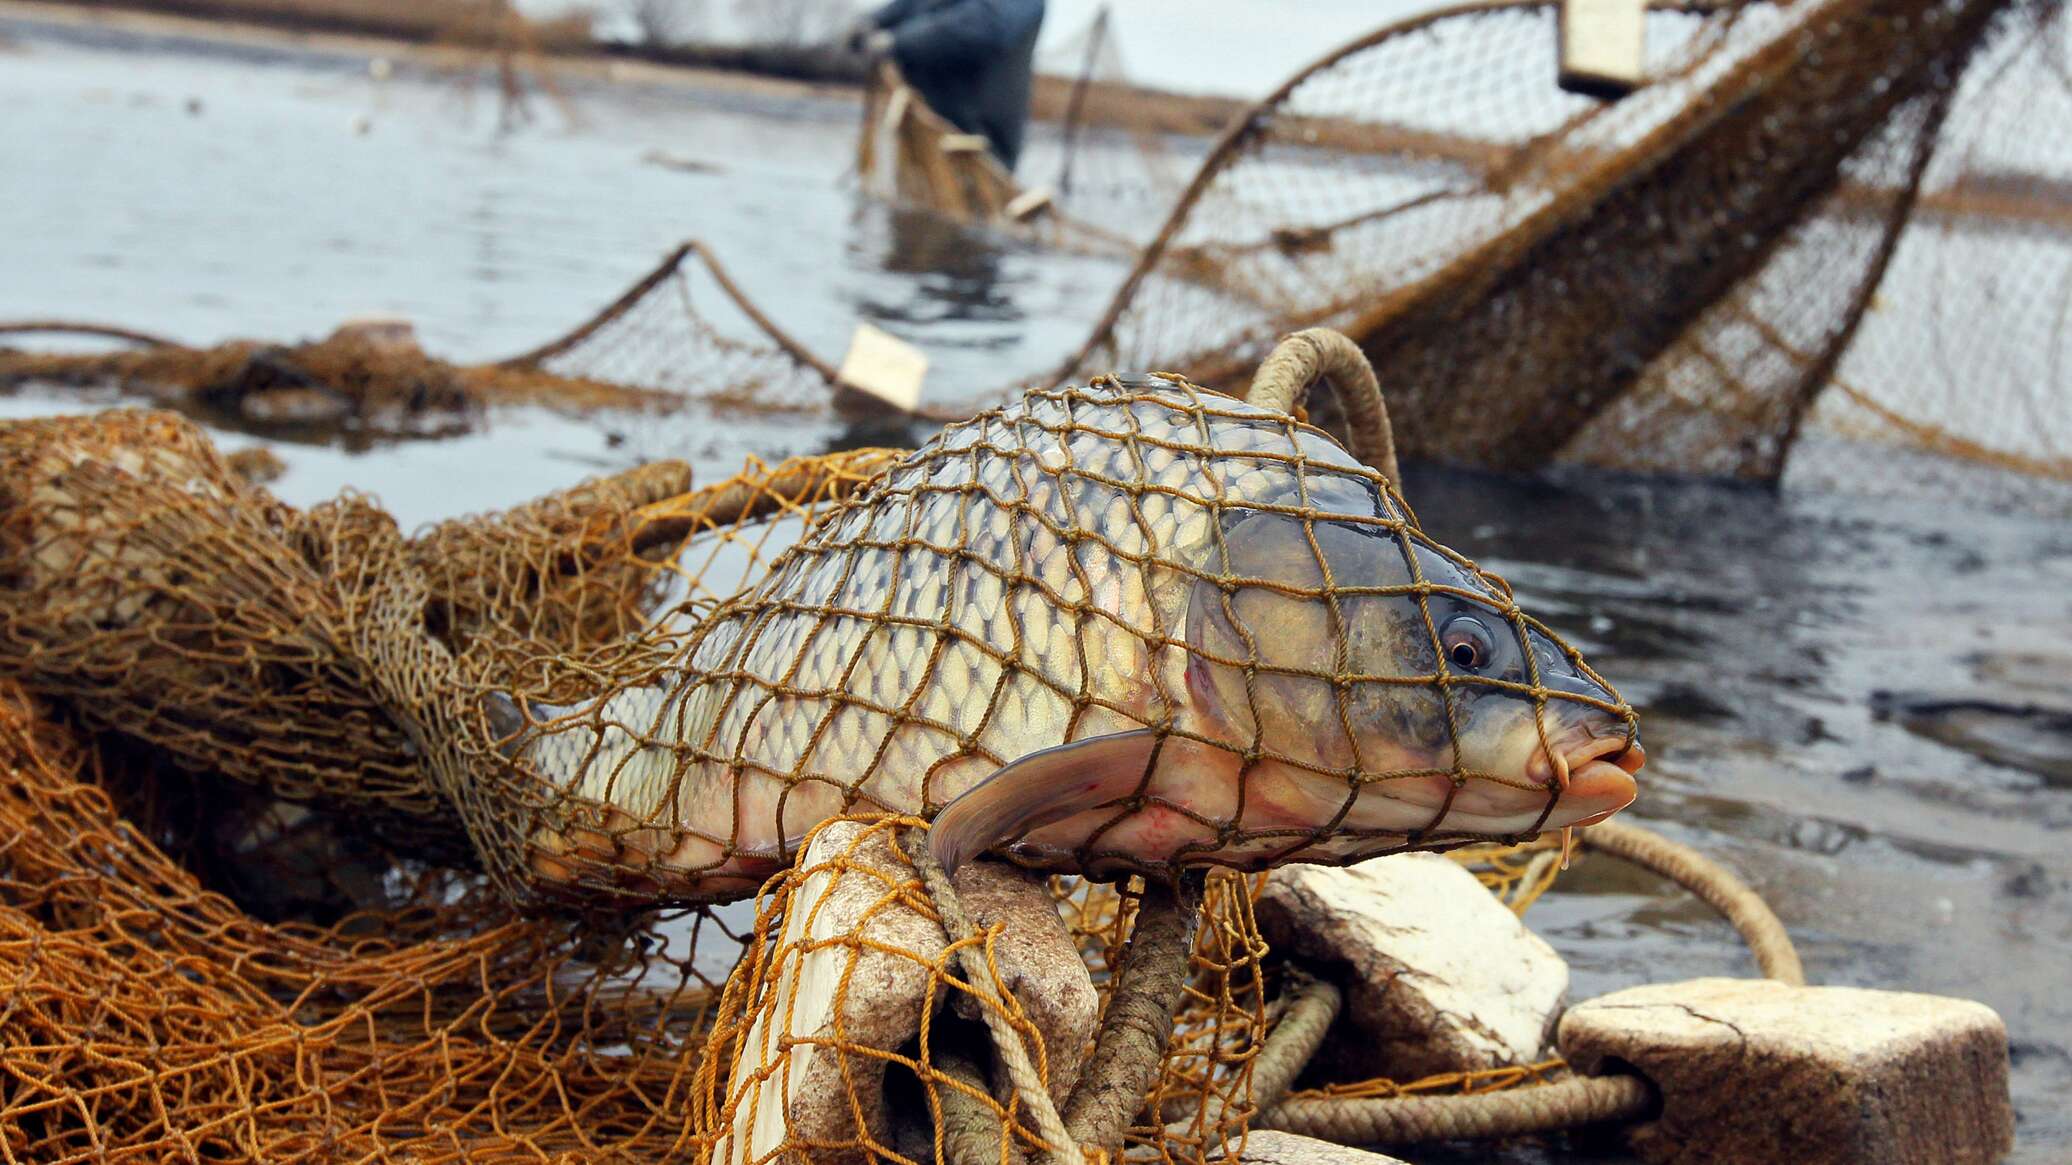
{"points": [[621, 813], [1043, 788]]}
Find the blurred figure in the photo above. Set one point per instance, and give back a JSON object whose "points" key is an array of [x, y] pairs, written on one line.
{"points": [[971, 60]]}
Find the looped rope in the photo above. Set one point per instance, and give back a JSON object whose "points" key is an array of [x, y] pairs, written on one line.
{"points": [[1714, 884], [1567, 1104], [1300, 360]]}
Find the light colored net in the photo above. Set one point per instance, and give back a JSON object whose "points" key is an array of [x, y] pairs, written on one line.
{"points": [[1666, 282], [681, 333]]}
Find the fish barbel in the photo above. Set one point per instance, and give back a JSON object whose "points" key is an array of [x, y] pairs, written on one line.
{"points": [[1112, 628]]}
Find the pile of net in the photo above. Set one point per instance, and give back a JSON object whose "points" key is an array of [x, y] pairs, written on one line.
{"points": [[1828, 220], [151, 1017]]}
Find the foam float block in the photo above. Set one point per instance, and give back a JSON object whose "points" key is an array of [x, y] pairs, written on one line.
{"points": [[1438, 975], [1756, 1070], [1603, 46]]}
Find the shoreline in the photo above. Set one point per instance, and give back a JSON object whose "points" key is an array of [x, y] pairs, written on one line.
{"points": [[771, 71], [208, 32]]}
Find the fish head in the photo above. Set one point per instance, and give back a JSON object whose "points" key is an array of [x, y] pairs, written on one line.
{"points": [[1383, 687]]}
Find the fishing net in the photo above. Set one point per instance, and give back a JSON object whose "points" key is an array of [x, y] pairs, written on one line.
{"points": [[361, 386], [1123, 151], [508, 671], [1668, 282], [687, 329], [258, 654], [682, 332], [152, 1018], [909, 152]]}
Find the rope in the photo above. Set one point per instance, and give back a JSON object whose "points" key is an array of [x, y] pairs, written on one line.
{"points": [[970, 1128], [1300, 359], [77, 327], [1396, 1120], [1714, 884], [1295, 1039], [1138, 1025], [1060, 1148]]}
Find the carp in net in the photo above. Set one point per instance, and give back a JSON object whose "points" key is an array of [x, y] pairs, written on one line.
{"points": [[326, 660]]}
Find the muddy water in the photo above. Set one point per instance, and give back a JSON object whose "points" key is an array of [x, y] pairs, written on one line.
{"points": [[1859, 704]]}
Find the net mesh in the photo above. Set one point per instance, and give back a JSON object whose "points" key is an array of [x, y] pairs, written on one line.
{"points": [[304, 696], [1669, 282], [1821, 224], [682, 333]]}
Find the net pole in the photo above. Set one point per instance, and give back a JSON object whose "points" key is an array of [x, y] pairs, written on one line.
{"points": [[1095, 35]]}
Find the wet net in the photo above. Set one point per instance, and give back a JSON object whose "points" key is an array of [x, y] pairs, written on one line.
{"points": [[313, 697], [682, 333], [1821, 218]]}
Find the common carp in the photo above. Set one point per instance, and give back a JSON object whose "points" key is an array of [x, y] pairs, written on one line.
{"points": [[1121, 627]]}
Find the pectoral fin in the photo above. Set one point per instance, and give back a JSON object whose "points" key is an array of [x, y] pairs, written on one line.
{"points": [[1039, 789]]}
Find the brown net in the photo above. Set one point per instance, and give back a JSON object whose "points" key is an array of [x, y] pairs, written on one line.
{"points": [[1174, 587], [686, 328], [1666, 282], [1177, 585], [682, 332]]}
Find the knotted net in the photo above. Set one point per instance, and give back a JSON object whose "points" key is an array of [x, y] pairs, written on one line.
{"points": [[305, 691], [681, 333], [1826, 218]]}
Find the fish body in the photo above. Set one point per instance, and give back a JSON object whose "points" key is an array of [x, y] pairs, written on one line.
{"points": [[1117, 627]]}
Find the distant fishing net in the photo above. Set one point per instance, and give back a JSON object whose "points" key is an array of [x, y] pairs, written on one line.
{"points": [[681, 333], [1668, 282], [685, 328], [1124, 151]]}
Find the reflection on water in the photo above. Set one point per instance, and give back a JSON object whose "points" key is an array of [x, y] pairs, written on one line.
{"points": [[956, 269], [1860, 704]]}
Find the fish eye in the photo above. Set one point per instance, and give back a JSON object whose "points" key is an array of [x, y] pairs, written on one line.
{"points": [[1466, 644]]}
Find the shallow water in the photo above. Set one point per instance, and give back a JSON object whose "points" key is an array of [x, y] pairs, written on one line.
{"points": [[1859, 704]]}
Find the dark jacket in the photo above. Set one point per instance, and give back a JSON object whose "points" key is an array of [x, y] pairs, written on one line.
{"points": [[971, 60]]}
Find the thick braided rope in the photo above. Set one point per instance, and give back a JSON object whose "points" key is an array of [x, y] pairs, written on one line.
{"points": [[1399, 1120], [1007, 1042], [1300, 359], [1137, 1027], [1295, 1039], [1711, 882]]}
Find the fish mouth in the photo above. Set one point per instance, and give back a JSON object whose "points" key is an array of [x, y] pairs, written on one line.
{"points": [[1596, 777]]}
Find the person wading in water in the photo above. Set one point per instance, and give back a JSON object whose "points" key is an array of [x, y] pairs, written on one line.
{"points": [[971, 60]]}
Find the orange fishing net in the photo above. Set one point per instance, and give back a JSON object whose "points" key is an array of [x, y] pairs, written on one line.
{"points": [[311, 697]]}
